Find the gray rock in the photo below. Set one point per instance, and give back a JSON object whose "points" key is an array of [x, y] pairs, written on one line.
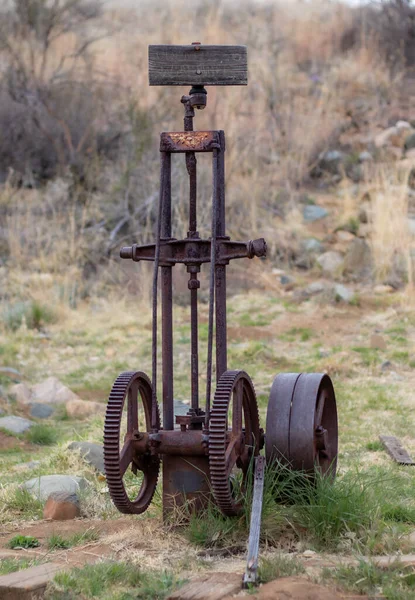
{"points": [[343, 293], [285, 280], [358, 262], [52, 391], [11, 373], [15, 424], [40, 411], [403, 125], [410, 142], [386, 365], [22, 393], [312, 246], [365, 157], [330, 161], [331, 262], [384, 137], [355, 173], [314, 288], [312, 213], [92, 453], [41, 487]]}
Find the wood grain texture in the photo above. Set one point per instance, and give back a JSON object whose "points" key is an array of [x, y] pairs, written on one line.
{"points": [[197, 65], [28, 583]]}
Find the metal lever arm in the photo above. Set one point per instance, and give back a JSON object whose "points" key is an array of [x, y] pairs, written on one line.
{"points": [[251, 573]]}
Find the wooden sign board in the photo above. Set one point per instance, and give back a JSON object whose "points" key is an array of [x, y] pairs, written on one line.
{"points": [[197, 65]]}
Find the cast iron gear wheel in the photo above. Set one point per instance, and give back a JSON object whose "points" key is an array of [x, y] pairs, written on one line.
{"points": [[232, 447], [129, 385]]}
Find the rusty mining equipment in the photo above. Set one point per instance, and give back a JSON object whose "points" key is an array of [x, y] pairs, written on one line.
{"points": [[199, 452]]}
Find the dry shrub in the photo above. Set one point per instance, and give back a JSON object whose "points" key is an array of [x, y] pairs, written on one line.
{"points": [[390, 236], [101, 133]]}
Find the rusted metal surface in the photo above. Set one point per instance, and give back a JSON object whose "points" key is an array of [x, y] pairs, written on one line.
{"points": [[195, 251], [251, 572], [186, 482], [209, 443], [302, 422], [395, 449], [189, 141], [129, 386]]}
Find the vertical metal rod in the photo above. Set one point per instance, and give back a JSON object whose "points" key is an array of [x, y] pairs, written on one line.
{"points": [[167, 302], [191, 165], [194, 350], [212, 285], [220, 276], [154, 290]]}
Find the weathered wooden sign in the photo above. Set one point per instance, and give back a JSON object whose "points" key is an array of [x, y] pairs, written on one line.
{"points": [[197, 64]]}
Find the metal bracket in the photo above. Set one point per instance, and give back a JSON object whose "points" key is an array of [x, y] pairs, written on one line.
{"points": [[195, 251]]}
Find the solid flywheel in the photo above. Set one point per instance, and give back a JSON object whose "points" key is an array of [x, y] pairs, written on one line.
{"points": [[130, 387], [301, 426]]}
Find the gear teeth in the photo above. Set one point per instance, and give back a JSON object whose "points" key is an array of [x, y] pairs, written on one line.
{"points": [[112, 451], [217, 437]]}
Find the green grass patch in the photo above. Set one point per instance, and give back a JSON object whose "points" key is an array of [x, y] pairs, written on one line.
{"points": [[32, 313], [295, 333], [112, 580], [23, 541], [18, 502], [374, 446], [42, 435], [361, 511], [273, 567], [250, 320], [11, 565], [368, 356], [395, 583], [57, 541]]}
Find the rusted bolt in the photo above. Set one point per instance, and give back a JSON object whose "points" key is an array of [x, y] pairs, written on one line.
{"points": [[197, 45], [256, 248], [193, 284], [126, 252]]}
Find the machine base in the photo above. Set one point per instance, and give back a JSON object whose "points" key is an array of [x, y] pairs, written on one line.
{"points": [[185, 482]]}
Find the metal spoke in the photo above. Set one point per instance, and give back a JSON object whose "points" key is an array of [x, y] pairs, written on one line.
{"points": [[132, 409]]}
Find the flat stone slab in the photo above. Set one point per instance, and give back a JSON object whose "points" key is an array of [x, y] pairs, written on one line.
{"points": [[212, 586], [28, 583], [15, 424], [295, 588], [45, 485]]}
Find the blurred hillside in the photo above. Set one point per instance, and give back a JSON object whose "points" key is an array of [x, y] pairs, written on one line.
{"points": [[320, 145]]}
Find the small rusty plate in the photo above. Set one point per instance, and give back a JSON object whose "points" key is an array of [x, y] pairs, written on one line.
{"points": [[189, 141], [395, 449]]}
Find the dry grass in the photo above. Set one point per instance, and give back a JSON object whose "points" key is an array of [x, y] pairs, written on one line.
{"points": [[390, 236], [304, 91]]}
